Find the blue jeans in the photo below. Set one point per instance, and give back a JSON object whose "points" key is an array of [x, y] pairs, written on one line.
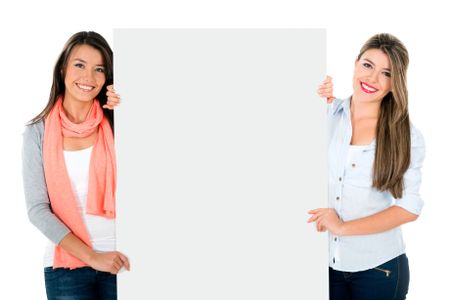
{"points": [[388, 281], [79, 284]]}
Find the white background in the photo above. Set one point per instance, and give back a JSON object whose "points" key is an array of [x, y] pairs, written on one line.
{"points": [[33, 33]]}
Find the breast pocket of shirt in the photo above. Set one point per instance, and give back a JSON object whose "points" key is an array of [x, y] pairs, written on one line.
{"points": [[359, 171]]}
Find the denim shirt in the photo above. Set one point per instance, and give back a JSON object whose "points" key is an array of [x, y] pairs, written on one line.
{"points": [[352, 196]]}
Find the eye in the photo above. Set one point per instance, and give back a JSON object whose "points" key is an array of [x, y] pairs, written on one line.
{"points": [[387, 74], [367, 65], [100, 69], [79, 65]]}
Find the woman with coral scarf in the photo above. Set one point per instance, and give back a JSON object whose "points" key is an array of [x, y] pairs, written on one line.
{"points": [[69, 171]]}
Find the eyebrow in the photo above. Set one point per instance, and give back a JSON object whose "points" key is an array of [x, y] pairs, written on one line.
{"points": [[375, 64], [83, 61]]}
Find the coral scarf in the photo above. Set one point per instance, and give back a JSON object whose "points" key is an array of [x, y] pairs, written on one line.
{"points": [[102, 174]]}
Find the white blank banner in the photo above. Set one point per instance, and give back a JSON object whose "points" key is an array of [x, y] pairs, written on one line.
{"points": [[221, 144]]}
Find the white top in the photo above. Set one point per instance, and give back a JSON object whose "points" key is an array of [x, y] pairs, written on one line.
{"points": [[352, 196], [353, 151], [101, 230]]}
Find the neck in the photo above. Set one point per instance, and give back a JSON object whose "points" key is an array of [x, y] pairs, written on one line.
{"points": [[77, 111], [364, 110]]}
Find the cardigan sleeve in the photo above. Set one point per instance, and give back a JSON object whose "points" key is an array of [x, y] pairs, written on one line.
{"points": [[35, 188]]}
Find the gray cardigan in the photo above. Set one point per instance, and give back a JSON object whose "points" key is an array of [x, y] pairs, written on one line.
{"points": [[35, 188]]}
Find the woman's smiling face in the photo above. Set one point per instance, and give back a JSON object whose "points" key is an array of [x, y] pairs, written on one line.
{"points": [[84, 74], [372, 76]]}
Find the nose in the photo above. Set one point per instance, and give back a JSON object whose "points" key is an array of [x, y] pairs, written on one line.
{"points": [[373, 76], [88, 75]]}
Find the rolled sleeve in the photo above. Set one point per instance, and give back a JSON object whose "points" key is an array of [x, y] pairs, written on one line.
{"points": [[35, 188], [411, 199]]}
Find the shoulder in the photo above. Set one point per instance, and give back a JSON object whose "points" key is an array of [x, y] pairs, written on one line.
{"points": [[33, 133], [339, 106], [34, 129]]}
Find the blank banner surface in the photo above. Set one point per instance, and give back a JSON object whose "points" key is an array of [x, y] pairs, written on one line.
{"points": [[221, 146]]}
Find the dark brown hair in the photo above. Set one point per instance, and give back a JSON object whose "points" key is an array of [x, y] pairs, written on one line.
{"points": [[96, 41], [393, 133]]}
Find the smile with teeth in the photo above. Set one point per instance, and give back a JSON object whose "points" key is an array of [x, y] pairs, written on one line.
{"points": [[368, 88], [85, 88]]}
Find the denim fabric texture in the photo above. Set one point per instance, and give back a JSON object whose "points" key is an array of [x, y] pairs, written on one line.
{"points": [[80, 284], [388, 281]]}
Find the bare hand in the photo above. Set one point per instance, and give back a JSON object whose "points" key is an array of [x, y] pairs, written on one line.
{"points": [[110, 262], [113, 98], [326, 219], [326, 89]]}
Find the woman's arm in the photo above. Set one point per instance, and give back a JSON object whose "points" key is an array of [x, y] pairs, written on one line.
{"points": [[392, 217], [35, 188], [406, 209], [110, 262]]}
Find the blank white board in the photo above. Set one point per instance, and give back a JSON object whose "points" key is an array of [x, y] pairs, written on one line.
{"points": [[221, 146]]}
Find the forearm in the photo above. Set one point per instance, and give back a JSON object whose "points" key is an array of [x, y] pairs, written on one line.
{"points": [[387, 219], [72, 244], [107, 261], [42, 218]]}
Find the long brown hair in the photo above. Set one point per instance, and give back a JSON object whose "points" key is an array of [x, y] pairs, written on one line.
{"points": [[393, 133], [96, 41]]}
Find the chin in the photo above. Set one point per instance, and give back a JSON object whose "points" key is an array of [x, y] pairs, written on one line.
{"points": [[87, 98], [366, 98]]}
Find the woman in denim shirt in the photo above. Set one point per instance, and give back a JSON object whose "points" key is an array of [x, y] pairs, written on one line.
{"points": [[375, 160]]}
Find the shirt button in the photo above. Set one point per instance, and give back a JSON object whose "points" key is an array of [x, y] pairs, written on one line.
{"points": [[337, 198], [334, 261], [340, 178], [335, 239], [353, 165]]}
